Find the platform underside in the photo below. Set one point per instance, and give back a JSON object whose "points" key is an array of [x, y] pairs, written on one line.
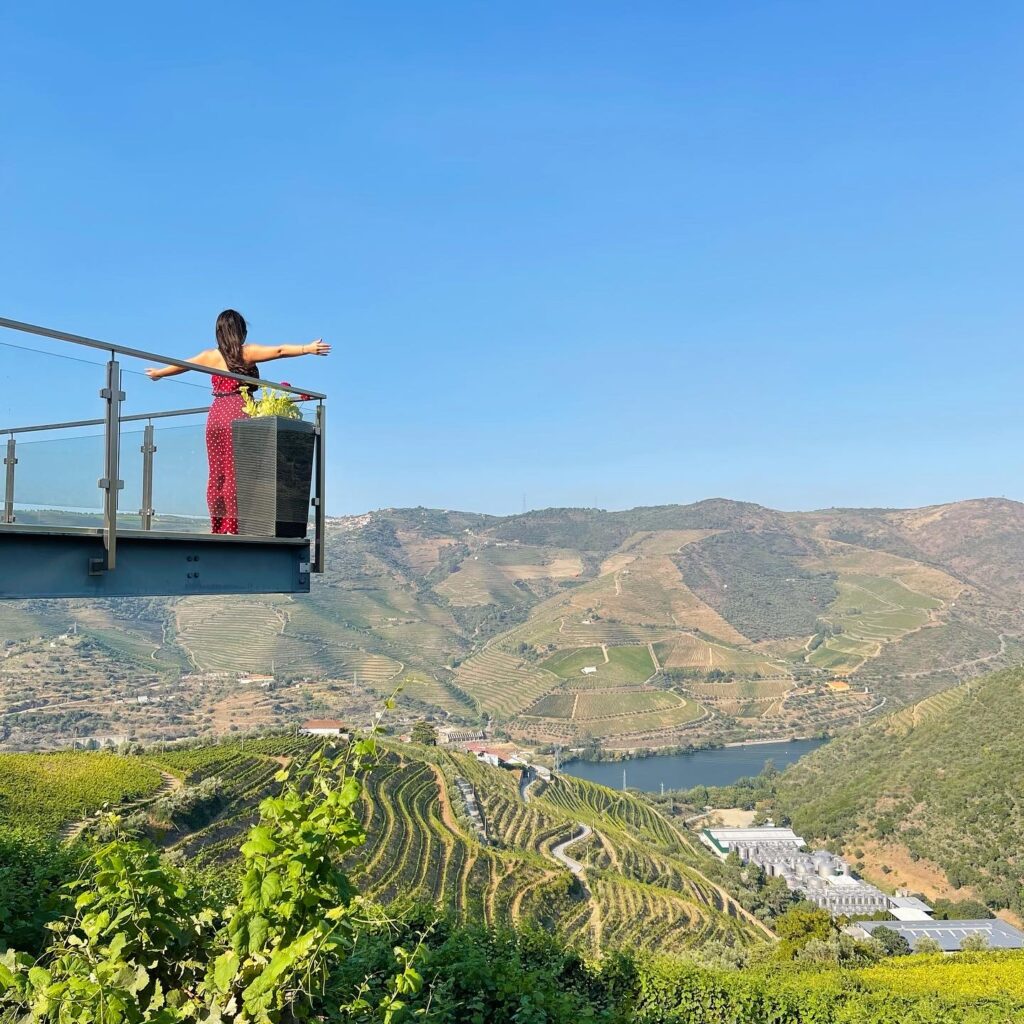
{"points": [[44, 562]]}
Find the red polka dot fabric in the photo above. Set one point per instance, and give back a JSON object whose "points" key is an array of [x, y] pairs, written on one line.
{"points": [[221, 492]]}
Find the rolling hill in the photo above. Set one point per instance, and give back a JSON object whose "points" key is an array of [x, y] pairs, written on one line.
{"points": [[675, 945], [928, 797], [643, 628]]}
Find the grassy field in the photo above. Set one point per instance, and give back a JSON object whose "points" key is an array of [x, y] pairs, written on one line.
{"points": [[611, 717], [624, 726], [44, 792], [555, 705], [605, 705], [625, 666], [585, 706], [686, 651]]}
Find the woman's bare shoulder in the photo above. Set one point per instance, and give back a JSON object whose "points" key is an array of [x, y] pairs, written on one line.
{"points": [[209, 357]]}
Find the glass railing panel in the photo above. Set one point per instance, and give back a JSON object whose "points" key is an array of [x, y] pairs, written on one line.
{"points": [[180, 476], [56, 481]]}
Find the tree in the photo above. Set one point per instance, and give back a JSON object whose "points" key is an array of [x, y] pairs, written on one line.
{"points": [[425, 733], [926, 944], [976, 943], [892, 943], [798, 925]]}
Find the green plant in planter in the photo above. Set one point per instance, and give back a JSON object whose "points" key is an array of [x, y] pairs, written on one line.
{"points": [[272, 402]]}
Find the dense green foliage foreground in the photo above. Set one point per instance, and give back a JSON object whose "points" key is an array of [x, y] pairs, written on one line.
{"points": [[288, 939]]}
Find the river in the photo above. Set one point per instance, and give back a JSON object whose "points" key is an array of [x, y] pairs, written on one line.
{"points": [[719, 767]]}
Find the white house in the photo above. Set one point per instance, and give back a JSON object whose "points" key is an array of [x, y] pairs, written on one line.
{"points": [[323, 727], [589, 670]]}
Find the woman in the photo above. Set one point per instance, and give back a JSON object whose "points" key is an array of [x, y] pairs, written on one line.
{"points": [[232, 353]]}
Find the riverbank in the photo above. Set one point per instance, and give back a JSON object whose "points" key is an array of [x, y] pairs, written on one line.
{"points": [[713, 766], [761, 743]]}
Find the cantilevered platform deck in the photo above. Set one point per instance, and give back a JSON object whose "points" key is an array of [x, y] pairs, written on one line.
{"points": [[47, 562], [115, 551]]}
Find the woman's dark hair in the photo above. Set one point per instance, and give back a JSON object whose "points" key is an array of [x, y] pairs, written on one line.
{"points": [[231, 331]]}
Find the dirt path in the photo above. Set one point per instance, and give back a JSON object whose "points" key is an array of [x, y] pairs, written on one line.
{"points": [[447, 814], [654, 659], [492, 891], [604, 651]]}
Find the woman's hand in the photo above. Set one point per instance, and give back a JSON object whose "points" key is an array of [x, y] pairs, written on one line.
{"points": [[318, 348], [153, 374]]}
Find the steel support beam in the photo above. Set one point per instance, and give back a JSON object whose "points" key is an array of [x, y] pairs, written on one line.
{"points": [[110, 483], [10, 461], [44, 562], [319, 490], [148, 449]]}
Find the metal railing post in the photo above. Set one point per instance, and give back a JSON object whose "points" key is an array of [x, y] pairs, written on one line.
{"points": [[110, 483], [10, 462], [320, 487], [148, 448]]}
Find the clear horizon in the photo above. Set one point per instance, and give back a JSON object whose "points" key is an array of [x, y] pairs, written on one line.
{"points": [[593, 255], [681, 504]]}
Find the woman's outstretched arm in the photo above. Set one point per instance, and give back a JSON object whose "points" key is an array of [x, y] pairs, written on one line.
{"points": [[265, 353], [172, 371]]}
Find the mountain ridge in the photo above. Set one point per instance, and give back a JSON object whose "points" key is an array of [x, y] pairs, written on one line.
{"points": [[708, 622]]}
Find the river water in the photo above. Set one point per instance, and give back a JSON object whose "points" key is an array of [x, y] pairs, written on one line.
{"points": [[719, 767]]}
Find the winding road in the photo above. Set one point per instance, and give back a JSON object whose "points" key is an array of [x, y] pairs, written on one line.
{"points": [[558, 852]]}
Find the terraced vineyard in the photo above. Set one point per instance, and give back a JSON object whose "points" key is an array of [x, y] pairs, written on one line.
{"points": [[618, 715], [686, 651], [245, 771], [501, 682], [250, 636], [421, 845]]}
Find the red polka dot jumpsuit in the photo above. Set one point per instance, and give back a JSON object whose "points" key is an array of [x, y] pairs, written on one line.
{"points": [[221, 494]]}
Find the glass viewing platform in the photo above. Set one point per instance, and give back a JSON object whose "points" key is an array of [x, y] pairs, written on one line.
{"points": [[112, 500]]}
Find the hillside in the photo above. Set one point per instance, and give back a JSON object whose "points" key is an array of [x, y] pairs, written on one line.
{"points": [[929, 797], [643, 628], [173, 936], [643, 884]]}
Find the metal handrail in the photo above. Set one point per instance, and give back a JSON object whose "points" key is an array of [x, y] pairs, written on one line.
{"points": [[99, 423], [106, 346]]}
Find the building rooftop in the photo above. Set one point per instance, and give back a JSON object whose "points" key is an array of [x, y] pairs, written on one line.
{"points": [[950, 934], [909, 908], [910, 903], [750, 836], [323, 723]]}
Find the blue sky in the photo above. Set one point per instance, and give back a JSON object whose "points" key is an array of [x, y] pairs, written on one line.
{"points": [[590, 253]]}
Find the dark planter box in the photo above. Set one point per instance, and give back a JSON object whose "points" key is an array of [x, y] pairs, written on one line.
{"points": [[273, 473]]}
